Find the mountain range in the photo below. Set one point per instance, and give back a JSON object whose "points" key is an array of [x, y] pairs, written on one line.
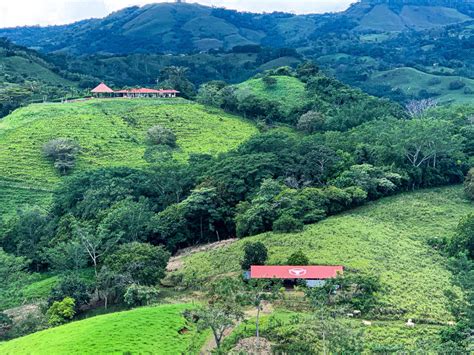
{"points": [[184, 28]]}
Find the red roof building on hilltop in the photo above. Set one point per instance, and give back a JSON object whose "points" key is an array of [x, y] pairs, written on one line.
{"points": [[103, 90]]}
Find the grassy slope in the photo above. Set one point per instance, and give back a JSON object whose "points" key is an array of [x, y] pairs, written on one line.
{"points": [[111, 133], [411, 81], [387, 238], [289, 91], [143, 330]]}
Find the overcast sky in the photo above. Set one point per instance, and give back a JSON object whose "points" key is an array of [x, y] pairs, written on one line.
{"points": [[53, 12]]}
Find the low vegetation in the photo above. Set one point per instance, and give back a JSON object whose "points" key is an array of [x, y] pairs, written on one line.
{"points": [[158, 330]]}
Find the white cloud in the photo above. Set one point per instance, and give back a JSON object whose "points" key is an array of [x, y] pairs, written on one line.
{"points": [[50, 12]]}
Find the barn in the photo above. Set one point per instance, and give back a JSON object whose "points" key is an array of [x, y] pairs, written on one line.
{"points": [[313, 275]]}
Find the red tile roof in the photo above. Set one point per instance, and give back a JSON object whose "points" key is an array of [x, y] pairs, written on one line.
{"points": [[294, 272], [146, 91], [102, 88]]}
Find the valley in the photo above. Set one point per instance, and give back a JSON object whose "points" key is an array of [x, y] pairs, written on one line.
{"points": [[178, 178]]}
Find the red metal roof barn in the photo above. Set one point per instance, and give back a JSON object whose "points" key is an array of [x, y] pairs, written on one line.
{"points": [[295, 272]]}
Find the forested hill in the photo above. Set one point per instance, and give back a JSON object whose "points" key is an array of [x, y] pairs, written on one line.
{"points": [[28, 76], [183, 28]]}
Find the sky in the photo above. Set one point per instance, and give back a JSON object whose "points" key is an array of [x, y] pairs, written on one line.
{"points": [[56, 12]]}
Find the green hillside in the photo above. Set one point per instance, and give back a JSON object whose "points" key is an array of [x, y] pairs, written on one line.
{"points": [[152, 330], [386, 238], [288, 91], [111, 133], [411, 81]]}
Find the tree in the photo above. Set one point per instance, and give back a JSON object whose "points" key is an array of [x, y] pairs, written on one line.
{"points": [[254, 254], [71, 285], [219, 317], [269, 81], [159, 135], [416, 108], [298, 258], [463, 240], [256, 293], [138, 295], [211, 93], [97, 245], [61, 312], [27, 235], [311, 121], [66, 256], [111, 285], [287, 224], [469, 184], [175, 77], [62, 151], [144, 263], [128, 221]]}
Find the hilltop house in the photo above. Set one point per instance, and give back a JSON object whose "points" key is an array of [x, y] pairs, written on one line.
{"points": [[313, 275], [103, 90]]}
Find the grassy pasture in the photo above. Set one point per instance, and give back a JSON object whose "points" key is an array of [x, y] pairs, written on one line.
{"points": [[288, 91], [149, 330], [111, 133], [386, 238], [411, 81]]}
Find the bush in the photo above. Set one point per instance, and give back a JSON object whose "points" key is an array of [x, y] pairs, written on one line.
{"points": [[469, 184], [62, 151], [254, 254], [311, 122], [456, 85], [159, 135], [61, 312], [144, 263], [298, 258], [287, 224], [137, 295]]}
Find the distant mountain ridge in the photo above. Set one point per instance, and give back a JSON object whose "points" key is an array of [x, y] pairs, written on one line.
{"points": [[184, 28]]}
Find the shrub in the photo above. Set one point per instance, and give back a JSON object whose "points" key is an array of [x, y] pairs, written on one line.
{"points": [[469, 184], [287, 224], [254, 254], [311, 122], [62, 151], [456, 85], [61, 312], [137, 295], [159, 135], [298, 258]]}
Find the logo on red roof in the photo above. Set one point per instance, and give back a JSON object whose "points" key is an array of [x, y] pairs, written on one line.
{"points": [[297, 272]]}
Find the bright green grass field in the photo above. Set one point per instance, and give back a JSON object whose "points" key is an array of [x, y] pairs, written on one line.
{"points": [[386, 238], [288, 91], [149, 330], [111, 133], [411, 81]]}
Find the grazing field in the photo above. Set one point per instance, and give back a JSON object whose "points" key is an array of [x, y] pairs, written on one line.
{"points": [[288, 91], [386, 238], [149, 330], [110, 133], [411, 81]]}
